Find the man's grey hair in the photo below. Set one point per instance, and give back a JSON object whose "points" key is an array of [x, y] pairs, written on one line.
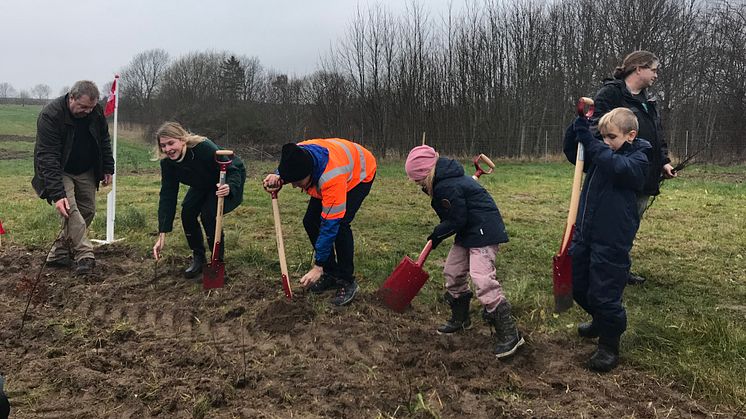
{"points": [[84, 88]]}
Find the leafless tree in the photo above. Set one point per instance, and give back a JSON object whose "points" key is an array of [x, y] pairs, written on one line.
{"points": [[41, 91], [7, 90]]}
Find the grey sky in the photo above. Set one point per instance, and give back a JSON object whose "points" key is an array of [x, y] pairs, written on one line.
{"points": [[60, 41]]}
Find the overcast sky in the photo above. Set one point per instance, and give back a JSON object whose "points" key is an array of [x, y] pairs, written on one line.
{"points": [[57, 42]]}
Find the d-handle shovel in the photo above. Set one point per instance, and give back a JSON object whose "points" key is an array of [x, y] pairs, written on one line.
{"points": [[480, 171], [213, 275], [562, 261], [280, 244]]}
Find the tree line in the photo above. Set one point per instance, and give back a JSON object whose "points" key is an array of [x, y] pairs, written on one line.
{"points": [[497, 77]]}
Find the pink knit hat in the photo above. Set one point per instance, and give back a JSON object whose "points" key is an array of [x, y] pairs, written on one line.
{"points": [[420, 161]]}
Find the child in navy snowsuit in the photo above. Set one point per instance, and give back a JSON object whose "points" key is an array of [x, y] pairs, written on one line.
{"points": [[606, 225], [467, 210]]}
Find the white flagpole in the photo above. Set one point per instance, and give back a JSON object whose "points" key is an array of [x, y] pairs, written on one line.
{"points": [[111, 197]]}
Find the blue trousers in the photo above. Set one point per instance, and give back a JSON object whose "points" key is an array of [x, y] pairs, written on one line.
{"points": [[599, 275]]}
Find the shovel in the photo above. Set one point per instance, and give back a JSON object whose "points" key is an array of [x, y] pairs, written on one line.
{"points": [[213, 275], [562, 262], [280, 245], [405, 282]]}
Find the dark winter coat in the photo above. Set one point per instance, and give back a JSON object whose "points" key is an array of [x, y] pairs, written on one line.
{"points": [[465, 208], [614, 94], [55, 130], [607, 215], [199, 170]]}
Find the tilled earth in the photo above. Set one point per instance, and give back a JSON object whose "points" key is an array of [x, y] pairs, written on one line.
{"points": [[136, 341]]}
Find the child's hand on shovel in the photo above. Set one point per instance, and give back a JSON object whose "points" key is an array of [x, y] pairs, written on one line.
{"points": [[312, 276]]}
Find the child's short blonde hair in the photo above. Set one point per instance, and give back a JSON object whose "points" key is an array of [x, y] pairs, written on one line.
{"points": [[621, 118]]}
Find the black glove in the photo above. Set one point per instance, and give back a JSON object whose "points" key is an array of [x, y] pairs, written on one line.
{"points": [[436, 241], [582, 130]]}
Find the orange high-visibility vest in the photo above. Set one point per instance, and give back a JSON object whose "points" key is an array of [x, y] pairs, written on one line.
{"points": [[349, 164]]}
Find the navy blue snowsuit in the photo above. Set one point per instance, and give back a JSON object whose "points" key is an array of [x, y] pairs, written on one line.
{"points": [[606, 225]]}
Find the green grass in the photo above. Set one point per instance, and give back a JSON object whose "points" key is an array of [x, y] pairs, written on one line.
{"points": [[687, 324], [19, 120]]}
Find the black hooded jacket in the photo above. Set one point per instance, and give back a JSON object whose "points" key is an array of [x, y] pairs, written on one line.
{"points": [[465, 208], [55, 130], [614, 94]]}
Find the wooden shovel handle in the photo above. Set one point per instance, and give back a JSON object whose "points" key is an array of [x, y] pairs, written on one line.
{"points": [[281, 245], [577, 179], [224, 153], [425, 253]]}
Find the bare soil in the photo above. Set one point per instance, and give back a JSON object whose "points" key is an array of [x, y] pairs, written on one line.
{"points": [[133, 341]]}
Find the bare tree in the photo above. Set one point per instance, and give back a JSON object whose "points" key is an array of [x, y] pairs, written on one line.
{"points": [[7, 90], [65, 90], [41, 91], [142, 78]]}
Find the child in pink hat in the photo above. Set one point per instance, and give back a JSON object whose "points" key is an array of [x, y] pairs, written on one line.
{"points": [[467, 210]]}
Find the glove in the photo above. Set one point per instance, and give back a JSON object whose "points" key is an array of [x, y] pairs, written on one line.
{"points": [[582, 130], [436, 241], [581, 123]]}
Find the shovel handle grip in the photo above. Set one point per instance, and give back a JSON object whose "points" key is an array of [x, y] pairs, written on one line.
{"points": [[585, 107], [425, 253], [480, 171]]}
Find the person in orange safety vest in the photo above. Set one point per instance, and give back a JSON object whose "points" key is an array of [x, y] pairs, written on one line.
{"points": [[337, 174]]}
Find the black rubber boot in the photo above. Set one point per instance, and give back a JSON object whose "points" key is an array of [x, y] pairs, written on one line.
{"points": [[587, 330], [606, 356], [507, 337], [198, 260], [459, 314]]}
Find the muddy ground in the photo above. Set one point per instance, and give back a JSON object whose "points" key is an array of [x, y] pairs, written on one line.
{"points": [[133, 342]]}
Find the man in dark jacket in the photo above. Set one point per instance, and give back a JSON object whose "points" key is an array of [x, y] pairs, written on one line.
{"points": [[628, 89], [72, 155]]}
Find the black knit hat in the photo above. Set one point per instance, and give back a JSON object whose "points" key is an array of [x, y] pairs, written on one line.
{"points": [[295, 163]]}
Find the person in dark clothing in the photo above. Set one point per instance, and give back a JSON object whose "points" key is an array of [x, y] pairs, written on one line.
{"points": [[606, 225], [467, 210], [190, 159], [628, 89], [338, 174], [72, 155]]}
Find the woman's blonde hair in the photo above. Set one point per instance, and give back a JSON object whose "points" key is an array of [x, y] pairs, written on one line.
{"points": [[175, 130]]}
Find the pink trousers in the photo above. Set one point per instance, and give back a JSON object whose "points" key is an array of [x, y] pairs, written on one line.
{"points": [[479, 263]]}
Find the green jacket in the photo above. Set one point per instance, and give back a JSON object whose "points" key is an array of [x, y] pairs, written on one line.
{"points": [[200, 171]]}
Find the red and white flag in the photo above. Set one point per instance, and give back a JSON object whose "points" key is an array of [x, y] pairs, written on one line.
{"points": [[2, 230], [111, 101]]}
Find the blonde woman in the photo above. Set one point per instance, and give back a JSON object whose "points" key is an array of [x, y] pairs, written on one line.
{"points": [[190, 159]]}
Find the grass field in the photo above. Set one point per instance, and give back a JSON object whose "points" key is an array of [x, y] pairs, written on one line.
{"points": [[686, 324]]}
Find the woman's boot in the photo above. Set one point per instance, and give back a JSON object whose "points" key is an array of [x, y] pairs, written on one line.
{"points": [[198, 260], [459, 314]]}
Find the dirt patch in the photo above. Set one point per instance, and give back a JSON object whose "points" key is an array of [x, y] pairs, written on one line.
{"points": [[15, 154], [16, 138], [138, 341]]}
